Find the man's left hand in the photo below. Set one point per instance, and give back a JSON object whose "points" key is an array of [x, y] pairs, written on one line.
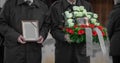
{"points": [[40, 40]]}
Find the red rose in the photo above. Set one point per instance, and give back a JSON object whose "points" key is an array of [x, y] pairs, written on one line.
{"points": [[75, 26], [103, 34], [94, 33], [80, 32], [83, 26], [91, 25], [100, 27], [71, 31], [67, 29]]}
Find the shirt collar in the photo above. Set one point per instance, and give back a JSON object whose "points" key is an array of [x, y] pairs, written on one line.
{"points": [[71, 2], [35, 2], [29, 0], [66, 4]]}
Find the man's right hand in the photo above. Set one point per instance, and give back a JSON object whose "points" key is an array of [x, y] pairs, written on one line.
{"points": [[21, 39]]}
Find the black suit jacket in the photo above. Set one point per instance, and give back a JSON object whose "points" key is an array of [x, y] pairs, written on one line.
{"points": [[1, 37], [14, 11], [1, 47], [114, 30]]}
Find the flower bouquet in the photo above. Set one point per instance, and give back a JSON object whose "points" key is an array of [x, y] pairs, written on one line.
{"points": [[77, 20]]}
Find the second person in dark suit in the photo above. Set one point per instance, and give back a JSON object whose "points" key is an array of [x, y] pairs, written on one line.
{"points": [[65, 52], [114, 32]]}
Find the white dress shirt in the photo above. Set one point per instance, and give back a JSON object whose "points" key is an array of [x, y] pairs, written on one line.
{"points": [[71, 2]]}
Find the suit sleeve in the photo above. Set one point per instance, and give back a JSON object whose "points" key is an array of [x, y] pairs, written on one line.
{"points": [[46, 25], [1, 39], [5, 29], [109, 28], [112, 25], [56, 31]]}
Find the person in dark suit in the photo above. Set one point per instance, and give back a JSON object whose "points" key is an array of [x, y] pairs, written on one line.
{"points": [[114, 32], [1, 46], [65, 52], [17, 50]]}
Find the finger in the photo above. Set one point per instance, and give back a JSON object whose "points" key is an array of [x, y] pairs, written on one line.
{"points": [[40, 41], [21, 40], [40, 37]]}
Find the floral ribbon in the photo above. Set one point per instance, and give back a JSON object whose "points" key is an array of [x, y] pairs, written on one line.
{"points": [[89, 45], [89, 42], [101, 40]]}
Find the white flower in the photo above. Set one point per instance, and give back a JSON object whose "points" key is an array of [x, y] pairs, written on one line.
{"points": [[89, 16], [68, 15], [66, 12], [75, 13], [95, 16], [70, 22], [97, 24], [85, 12], [90, 13], [93, 20], [81, 8], [71, 25], [80, 14], [75, 8]]}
